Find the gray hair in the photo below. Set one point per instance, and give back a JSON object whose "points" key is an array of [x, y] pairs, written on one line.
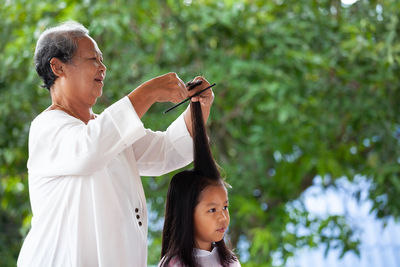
{"points": [[57, 42]]}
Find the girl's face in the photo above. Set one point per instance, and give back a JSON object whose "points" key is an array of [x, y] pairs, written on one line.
{"points": [[211, 216]]}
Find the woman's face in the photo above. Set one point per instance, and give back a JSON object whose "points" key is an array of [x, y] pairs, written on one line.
{"points": [[85, 73], [211, 216]]}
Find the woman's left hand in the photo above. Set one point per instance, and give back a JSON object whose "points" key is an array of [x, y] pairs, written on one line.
{"points": [[206, 98]]}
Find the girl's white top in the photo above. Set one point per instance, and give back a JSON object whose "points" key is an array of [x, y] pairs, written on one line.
{"points": [[204, 258], [87, 199]]}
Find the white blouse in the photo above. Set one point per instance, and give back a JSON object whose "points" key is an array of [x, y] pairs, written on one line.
{"points": [[205, 259], [87, 199]]}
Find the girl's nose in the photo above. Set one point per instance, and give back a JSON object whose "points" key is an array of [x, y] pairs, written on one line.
{"points": [[223, 216]]}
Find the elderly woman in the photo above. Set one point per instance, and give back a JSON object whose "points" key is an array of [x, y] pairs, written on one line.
{"points": [[87, 199]]}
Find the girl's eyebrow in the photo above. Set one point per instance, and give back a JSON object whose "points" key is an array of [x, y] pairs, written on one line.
{"points": [[215, 204]]}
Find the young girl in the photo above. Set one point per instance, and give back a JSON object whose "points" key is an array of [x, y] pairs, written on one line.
{"points": [[196, 214]]}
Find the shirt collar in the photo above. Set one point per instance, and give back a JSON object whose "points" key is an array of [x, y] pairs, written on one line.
{"points": [[204, 253]]}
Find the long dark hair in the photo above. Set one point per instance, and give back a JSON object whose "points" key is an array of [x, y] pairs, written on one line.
{"points": [[183, 196]]}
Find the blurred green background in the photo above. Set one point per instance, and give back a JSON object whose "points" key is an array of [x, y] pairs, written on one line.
{"points": [[304, 88]]}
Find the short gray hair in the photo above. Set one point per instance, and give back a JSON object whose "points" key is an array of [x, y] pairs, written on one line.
{"points": [[56, 42]]}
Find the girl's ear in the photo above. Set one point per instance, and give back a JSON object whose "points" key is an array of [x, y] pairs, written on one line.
{"points": [[57, 66]]}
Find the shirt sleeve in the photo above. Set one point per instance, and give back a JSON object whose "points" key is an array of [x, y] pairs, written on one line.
{"points": [[63, 145], [158, 153]]}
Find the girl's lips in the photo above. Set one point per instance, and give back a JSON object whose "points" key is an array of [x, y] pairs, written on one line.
{"points": [[221, 230]]}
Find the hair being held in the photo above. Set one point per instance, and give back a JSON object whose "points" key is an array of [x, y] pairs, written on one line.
{"points": [[178, 238]]}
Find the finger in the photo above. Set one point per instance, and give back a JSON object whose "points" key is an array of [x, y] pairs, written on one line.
{"points": [[204, 83], [175, 78], [181, 86], [189, 83], [192, 85], [207, 99], [201, 78], [183, 93], [195, 99]]}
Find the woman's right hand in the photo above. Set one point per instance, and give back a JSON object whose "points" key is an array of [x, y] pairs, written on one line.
{"points": [[167, 88]]}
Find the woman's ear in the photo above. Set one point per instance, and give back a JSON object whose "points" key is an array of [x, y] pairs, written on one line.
{"points": [[57, 66]]}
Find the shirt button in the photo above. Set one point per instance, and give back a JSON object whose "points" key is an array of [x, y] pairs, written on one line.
{"points": [[140, 223], [137, 216], [136, 210]]}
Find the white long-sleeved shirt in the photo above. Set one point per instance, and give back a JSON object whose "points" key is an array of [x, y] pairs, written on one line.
{"points": [[86, 195]]}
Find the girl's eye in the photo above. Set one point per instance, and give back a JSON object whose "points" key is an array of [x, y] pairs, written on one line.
{"points": [[212, 210], [225, 207]]}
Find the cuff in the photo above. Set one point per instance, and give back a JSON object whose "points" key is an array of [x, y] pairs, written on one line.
{"points": [[126, 120]]}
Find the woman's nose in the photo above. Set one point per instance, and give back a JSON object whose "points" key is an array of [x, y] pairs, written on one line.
{"points": [[103, 66]]}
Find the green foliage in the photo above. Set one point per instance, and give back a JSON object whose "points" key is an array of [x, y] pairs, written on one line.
{"points": [[304, 88]]}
